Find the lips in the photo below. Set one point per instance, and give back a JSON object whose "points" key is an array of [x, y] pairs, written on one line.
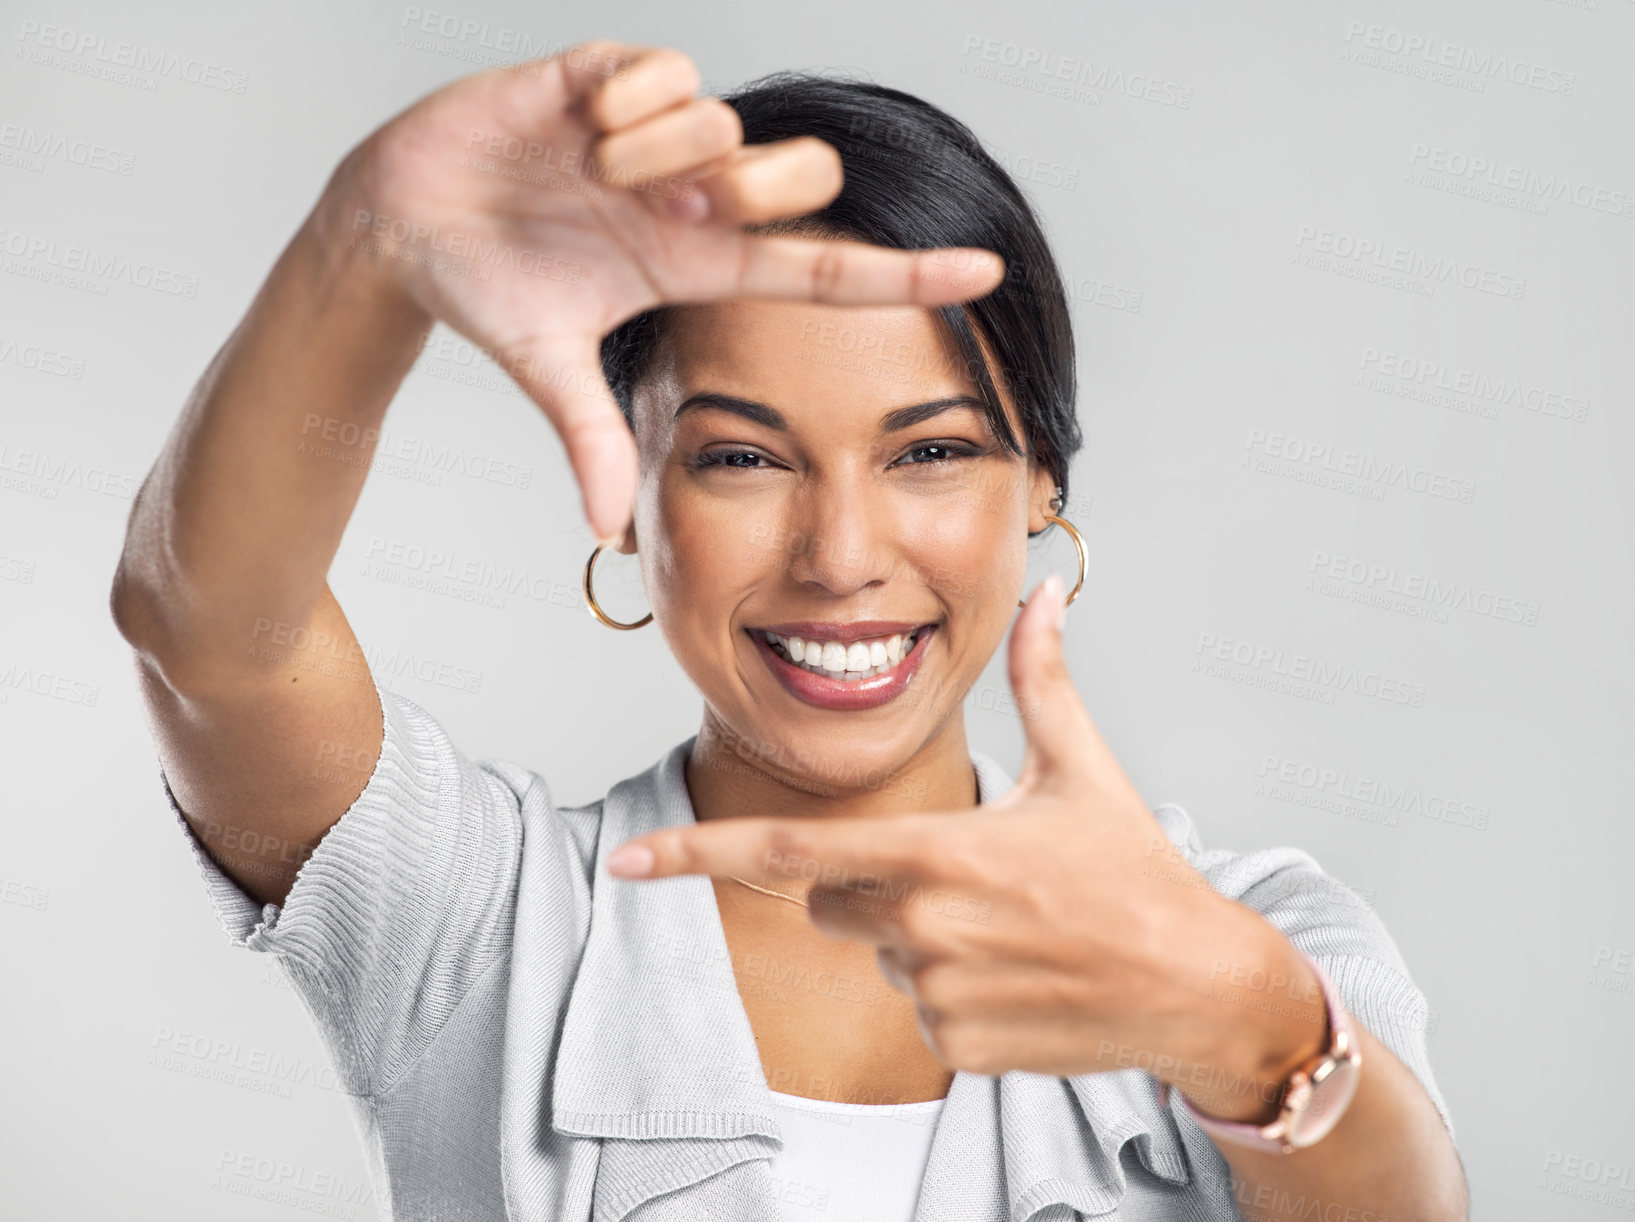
{"points": [[827, 689]]}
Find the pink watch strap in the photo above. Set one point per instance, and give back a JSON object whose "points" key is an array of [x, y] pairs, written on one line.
{"points": [[1271, 1136]]}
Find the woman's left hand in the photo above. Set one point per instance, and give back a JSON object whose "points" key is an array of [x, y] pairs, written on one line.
{"points": [[1057, 930]]}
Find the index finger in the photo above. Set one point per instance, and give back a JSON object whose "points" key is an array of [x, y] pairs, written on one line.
{"points": [[831, 852], [618, 83], [858, 273]]}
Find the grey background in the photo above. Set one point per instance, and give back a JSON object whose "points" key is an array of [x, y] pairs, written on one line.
{"points": [[1206, 324]]}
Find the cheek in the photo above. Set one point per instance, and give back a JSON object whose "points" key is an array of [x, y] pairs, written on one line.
{"points": [[975, 557], [700, 558]]}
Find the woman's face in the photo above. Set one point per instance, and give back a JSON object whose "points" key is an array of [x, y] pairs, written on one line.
{"points": [[799, 479]]}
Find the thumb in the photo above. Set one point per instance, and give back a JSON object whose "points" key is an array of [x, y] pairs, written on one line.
{"points": [[1060, 735], [563, 375]]}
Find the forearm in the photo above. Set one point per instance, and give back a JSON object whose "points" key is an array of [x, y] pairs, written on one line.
{"points": [[240, 517], [1388, 1158]]}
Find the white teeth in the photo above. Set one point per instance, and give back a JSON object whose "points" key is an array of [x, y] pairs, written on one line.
{"points": [[858, 660]]}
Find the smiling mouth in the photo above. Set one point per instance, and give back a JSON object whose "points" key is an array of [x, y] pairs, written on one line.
{"points": [[846, 663]]}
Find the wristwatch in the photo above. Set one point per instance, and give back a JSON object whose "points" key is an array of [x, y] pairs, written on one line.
{"points": [[1313, 1098]]}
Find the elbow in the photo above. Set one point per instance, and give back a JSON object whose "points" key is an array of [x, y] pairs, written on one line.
{"points": [[138, 612], [124, 601], [180, 650], [133, 610]]}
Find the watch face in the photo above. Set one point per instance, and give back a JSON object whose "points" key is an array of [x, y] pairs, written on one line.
{"points": [[1332, 1087]]}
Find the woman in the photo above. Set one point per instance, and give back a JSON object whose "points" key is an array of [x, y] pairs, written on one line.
{"points": [[821, 959]]}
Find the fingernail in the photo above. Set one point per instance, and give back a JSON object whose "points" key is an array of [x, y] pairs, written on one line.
{"points": [[630, 860], [1054, 592]]}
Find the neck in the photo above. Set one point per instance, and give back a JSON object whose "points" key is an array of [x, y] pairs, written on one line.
{"points": [[727, 777]]}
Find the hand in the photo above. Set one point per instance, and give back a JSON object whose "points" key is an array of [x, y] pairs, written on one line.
{"points": [[534, 208], [1057, 930]]}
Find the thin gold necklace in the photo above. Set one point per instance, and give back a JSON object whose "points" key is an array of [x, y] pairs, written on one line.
{"points": [[769, 891]]}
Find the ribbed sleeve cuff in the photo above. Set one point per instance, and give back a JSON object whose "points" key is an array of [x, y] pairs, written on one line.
{"points": [[361, 869]]}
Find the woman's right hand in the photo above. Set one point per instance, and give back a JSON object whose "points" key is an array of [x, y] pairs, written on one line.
{"points": [[536, 207]]}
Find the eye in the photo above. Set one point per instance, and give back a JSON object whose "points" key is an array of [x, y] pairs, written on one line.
{"points": [[729, 458], [939, 452]]}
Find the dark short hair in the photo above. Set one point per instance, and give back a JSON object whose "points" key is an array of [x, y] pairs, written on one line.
{"points": [[916, 177]]}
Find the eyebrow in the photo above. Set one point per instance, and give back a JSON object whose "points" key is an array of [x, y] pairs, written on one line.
{"points": [[772, 418]]}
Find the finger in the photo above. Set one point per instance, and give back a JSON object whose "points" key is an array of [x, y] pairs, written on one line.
{"points": [[919, 907], [693, 134], [615, 84], [894, 964], [563, 375], [970, 985], [837, 852], [767, 182], [871, 914], [1061, 739], [747, 184], [857, 273]]}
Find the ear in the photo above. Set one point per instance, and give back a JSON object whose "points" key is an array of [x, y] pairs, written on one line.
{"points": [[1041, 488], [627, 541]]}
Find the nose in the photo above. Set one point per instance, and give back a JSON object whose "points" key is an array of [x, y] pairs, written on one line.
{"points": [[840, 539]]}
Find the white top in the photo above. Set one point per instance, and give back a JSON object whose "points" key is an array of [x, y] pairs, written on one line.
{"points": [[859, 1161]]}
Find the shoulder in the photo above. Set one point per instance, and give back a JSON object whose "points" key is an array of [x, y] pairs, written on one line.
{"points": [[418, 738], [1285, 884]]}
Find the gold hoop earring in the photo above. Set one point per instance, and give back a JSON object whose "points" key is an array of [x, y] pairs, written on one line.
{"points": [[1084, 557], [596, 608]]}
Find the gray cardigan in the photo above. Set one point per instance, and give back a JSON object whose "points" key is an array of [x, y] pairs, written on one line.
{"points": [[522, 1036]]}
